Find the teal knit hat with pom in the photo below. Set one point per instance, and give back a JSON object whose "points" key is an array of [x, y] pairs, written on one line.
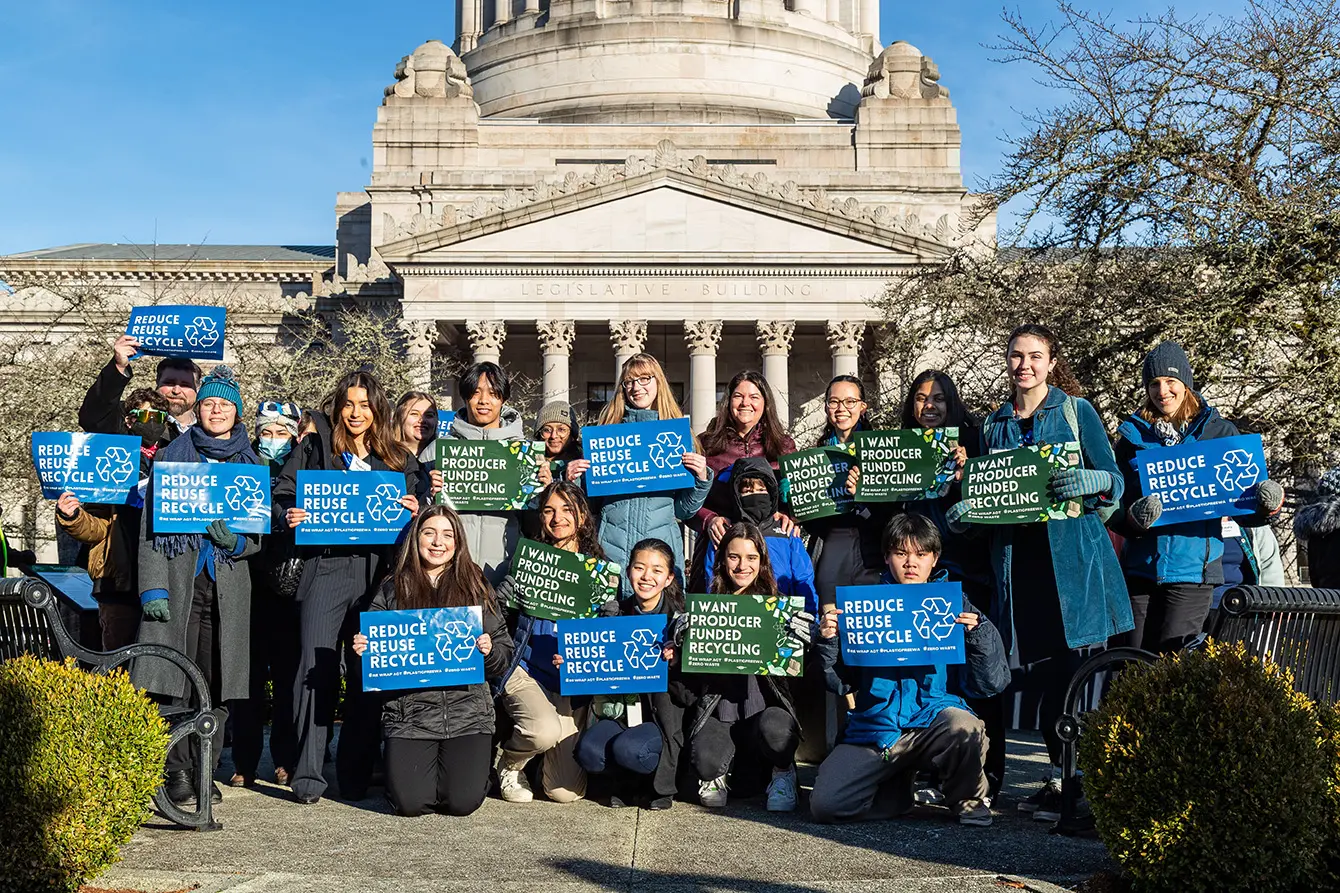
{"points": [[221, 382]]}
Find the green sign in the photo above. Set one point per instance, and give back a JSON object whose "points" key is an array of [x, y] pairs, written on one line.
{"points": [[742, 635], [817, 482], [1010, 487], [489, 475], [897, 466], [558, 585]]}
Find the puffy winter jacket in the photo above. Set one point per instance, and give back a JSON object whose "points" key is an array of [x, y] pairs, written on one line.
{"points": [[1318, 523], [440, 713], [721, 497], [625, 520], [1188, 552]]}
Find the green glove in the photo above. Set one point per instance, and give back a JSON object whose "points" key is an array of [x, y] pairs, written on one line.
{"points": [[1075, 483], [221, 536], [157, 610], [954, 517]]}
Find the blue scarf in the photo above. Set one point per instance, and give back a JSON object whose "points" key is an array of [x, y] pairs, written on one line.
{"points": [[190, 446]]}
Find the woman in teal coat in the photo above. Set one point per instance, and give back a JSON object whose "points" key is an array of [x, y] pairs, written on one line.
{"points": [[625, 521], [1070, 592]]}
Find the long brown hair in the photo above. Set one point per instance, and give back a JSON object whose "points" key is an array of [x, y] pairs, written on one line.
{"points": [[1061, 375], [765, 583], [381, 438], [720, 430], [1185, 413], [571, 494], [636, 366], [461, 583], [408, 399]]}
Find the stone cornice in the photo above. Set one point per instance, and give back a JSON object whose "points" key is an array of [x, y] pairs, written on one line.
{"points": [[18, 270], [453, 271]]}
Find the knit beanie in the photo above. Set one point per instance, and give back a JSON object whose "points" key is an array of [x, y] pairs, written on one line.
{"points": [[272, 412], [556, 411], [221, 382], [1328, 488], [1168, 360]]}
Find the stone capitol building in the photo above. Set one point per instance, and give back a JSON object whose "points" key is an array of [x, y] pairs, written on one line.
{"points": [[726, 186]]}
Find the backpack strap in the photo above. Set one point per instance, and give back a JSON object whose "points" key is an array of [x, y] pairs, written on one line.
{"points": [[1071, 412]]}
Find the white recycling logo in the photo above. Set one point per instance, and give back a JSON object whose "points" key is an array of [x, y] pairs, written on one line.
{"points": [[115, 466], [667, 449], [202, 332], [642, 653], [935, 620], [1237, 471], [244, 494], [456, 640], [384, 503]]}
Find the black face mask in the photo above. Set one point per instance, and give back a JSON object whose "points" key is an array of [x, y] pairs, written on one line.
{"points": [[149, 433], [757, 507]]}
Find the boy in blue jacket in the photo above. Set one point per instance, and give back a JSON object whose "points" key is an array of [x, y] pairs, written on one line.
{"points": [[905, 719]]}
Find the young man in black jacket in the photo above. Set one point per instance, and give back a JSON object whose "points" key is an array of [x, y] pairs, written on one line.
{"points": [[176, 379]]}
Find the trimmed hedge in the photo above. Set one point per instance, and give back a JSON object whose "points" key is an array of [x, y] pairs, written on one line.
{"points": [[80, 757], [1204, 773]]}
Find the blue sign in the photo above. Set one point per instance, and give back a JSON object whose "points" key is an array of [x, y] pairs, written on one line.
{"points": [[444, 420], [178, 331], [189, 495], [351, 507], [433, 648], [637, 457], [1207, 479], [97, 468], [612, 655], [71, 582], [914, 624]]}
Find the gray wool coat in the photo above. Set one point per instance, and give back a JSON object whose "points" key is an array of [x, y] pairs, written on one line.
{"points": [[177, 576]]}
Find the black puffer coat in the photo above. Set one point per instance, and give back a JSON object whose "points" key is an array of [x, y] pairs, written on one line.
{"points": [[436, 714]]}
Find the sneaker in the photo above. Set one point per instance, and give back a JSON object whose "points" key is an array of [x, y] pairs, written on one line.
{"points": [[928, 796], [972, 812], [513, 786], [782, 790], [712, 794], [617, 802], [1049, 787], [1049, 807], [661, 803]]}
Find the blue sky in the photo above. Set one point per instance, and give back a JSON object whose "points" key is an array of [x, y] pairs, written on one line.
{"points": [[238, 122]]}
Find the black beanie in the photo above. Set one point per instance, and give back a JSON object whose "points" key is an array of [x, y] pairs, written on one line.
{"points": [[1168, 360]]}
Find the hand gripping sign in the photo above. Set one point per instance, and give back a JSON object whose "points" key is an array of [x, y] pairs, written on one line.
{"points": [[912, 624], [1202, 480], [637, 457], [432, 648]]}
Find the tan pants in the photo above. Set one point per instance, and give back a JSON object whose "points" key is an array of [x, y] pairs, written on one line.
{"points": [[545, 723], [855, 782]]}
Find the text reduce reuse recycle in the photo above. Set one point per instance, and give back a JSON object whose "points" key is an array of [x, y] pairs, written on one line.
{"points": [[393, 646], [187, 493], [588, 650], [157, 325], [869, 621], [327, 504]]}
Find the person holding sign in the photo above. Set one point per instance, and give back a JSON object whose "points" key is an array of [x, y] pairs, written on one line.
{"points": [[544, 721], [337, 581], [905, 719], [629, 519], [196, 595], [415, 420], [558, 429], [485, 389], [176, 378], [109, 535], [439, 741], [1070, 592], [739, 726], [638, 738], [1172, 570]]}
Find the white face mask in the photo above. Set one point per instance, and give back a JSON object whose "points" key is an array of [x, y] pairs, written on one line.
{"points": [[274, 448]]}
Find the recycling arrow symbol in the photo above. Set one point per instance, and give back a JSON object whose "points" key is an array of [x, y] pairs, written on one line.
{"points": [[1237, 471], [202, 332], [641, 653], [115, 466], [667, 449], [935, 620], [244, 494], [384, 503], [456, 641]]}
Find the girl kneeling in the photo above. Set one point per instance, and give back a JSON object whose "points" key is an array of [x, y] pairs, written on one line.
{"points": [[439, 741]]}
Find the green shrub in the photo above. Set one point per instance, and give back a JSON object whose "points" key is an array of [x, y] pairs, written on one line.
{"points": [[80, 757], [1328, 869], [1204, 773]]}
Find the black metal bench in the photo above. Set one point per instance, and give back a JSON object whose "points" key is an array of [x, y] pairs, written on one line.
{"points": [[1295, 627], [30, 623]]}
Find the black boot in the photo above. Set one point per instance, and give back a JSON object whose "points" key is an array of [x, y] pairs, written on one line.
{"points": [[180, 790]]}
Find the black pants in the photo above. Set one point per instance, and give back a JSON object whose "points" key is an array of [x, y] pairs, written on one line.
{"points": [[450, 775], [1166, 616], [328, 615], [747, 749], [275, 651], [1051, 677], [202, 647]]}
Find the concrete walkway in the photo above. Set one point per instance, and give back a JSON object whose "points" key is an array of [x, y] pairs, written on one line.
{"points": [[271, 844]]}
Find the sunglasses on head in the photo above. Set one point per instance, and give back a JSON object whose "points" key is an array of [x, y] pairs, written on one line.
{"points": [[145, 416]]}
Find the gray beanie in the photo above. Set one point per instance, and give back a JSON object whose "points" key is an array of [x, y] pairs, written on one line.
{"points": [[1168, 360], [556, 411]]}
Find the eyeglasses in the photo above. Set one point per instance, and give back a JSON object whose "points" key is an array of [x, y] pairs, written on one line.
{"points": [[849, 404], [145, 416], [643, 382]]}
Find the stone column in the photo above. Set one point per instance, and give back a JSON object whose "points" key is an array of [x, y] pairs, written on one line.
{"points": [[703, 337], [628, 337], [774, 343], [502, 12], [870, 22], [469, 25], [844, 339], [835, 12], [486, 339], [532, 7], [556, 338], [420, 336]]}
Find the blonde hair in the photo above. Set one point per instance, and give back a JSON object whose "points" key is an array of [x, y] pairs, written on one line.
{"points": [[635, 367]]}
